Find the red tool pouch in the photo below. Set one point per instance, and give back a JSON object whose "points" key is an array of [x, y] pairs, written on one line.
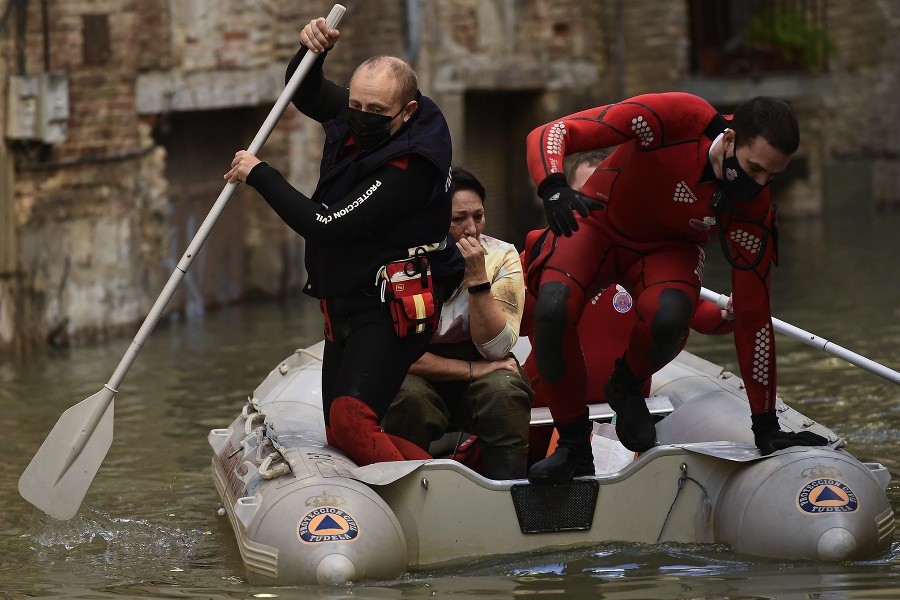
{"points": [[407, 288]]}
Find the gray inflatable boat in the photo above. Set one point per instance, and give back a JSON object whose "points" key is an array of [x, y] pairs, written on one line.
{"points": [[303, 513]]}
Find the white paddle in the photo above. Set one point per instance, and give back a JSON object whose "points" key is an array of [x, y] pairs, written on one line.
{"points": [[811, 339], [61, 472]]}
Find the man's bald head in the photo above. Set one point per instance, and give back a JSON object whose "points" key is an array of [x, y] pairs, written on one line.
{"points": [[398, 71]]}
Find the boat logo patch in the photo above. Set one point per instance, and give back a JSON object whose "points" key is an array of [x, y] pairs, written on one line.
{"points": [[327, 524], [622, 301], [827, 496]]}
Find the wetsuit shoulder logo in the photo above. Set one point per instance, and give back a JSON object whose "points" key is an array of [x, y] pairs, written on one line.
{"points": [[642, 130], [622, 301]]}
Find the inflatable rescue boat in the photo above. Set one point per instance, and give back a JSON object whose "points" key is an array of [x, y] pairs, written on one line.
{"points": [[303, 513]]}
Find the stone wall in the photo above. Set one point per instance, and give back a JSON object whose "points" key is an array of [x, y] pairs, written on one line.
{"points": [[88, 250], [92, 215], [88, 210], [86, 224], [861, 115]]}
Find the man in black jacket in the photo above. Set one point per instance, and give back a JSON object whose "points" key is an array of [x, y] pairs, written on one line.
{"points": [[382, 196]]}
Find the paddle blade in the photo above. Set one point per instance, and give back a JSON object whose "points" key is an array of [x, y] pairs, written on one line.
{"points": [[61, 472]]}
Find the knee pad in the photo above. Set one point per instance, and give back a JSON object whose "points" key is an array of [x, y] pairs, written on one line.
{"points": [[550, 316], [670, 325], [355, 431], [351, 419]]}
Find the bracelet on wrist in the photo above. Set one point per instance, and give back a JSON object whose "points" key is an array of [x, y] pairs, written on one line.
{"points": [[480, 287], [471, 373]]}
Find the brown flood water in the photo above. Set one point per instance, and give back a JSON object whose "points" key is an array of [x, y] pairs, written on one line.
{"points": [[149, 525]]}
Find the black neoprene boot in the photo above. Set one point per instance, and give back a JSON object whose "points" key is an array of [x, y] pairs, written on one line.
{"points": [[504, 463], [572, 457], [769, 437], [634, 423]]}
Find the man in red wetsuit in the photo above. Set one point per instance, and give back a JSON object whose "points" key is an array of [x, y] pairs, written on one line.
{"points": [[603, 333], [679, 171]]}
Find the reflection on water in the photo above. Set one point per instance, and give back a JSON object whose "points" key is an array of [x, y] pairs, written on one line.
{"points": [[149, 525]]}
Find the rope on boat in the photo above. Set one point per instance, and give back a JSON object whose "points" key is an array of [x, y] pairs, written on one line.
{"points": [[261, 435], [308, 353], [707, 507], [278, 470], [251, 419], [283, 468], [266, 470]]}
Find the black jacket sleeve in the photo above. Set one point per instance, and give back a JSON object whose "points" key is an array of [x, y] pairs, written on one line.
{"points": [[317, 97], [382, 198]]}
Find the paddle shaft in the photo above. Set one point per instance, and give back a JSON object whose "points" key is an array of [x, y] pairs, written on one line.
{"points": [[218, 208], [811, 339], [190, 254], [57, 478]]}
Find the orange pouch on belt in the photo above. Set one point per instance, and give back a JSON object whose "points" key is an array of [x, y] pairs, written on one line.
{"points": [[407, 288]]}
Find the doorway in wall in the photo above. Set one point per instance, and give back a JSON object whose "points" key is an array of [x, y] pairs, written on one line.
{"points": [[496, 124]]}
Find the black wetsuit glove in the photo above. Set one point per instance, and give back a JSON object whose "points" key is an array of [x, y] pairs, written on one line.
{"points": [[559, 203], [769, 437]]}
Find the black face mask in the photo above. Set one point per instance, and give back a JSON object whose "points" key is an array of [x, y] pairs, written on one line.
{"points": [[370, 130], [736, 182]]}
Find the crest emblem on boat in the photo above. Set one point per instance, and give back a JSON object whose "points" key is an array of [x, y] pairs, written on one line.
{"points": [[327, 524], [325, 499], [821, 471], [826, 496]]}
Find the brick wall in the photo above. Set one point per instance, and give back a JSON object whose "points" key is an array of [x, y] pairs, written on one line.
{"points": [[88, 209], [860, 115], [89, 214], [656, 47]]}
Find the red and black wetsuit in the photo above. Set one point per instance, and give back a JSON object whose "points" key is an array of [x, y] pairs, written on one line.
{"points": [[657, 187], [603, 333], [369, 208]]}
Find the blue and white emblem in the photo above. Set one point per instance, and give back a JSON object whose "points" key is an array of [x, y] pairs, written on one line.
{"points": [[622, 301]]}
